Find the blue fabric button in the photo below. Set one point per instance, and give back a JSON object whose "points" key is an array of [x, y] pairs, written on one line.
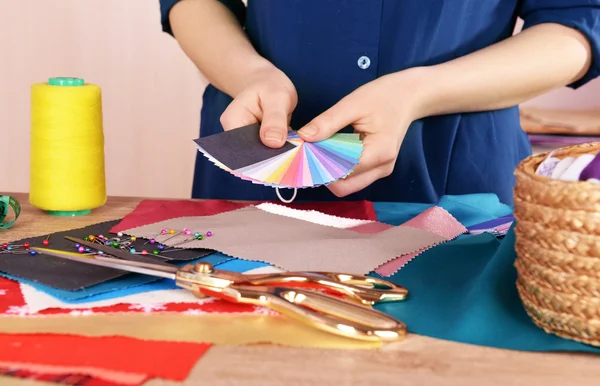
{"points": [[364, 62]]}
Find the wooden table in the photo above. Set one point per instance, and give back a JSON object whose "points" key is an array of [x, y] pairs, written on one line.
{"points": [[416, 361]]}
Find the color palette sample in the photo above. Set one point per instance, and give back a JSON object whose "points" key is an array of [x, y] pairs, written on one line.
{"points": [[298, 164]]}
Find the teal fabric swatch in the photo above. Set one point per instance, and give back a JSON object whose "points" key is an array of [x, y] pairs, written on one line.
{"points": [[464, 290]]}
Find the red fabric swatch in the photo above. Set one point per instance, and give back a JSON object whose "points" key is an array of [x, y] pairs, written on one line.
{"points": [[157, 359], [151, 211]]}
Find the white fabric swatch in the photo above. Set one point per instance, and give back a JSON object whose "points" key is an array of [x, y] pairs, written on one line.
{"points": [[312, 216], [37, 300]]}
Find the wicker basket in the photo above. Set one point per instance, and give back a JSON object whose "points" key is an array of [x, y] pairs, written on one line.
{"points": [[558, 249]]}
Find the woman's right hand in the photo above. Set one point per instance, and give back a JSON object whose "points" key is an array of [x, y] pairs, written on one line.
{"points": [[269, 98]]}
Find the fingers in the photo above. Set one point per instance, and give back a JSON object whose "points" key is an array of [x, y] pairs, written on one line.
{"points": [[377, 161], [276, 110], [342, 114], [273, 111], [355, 183]]}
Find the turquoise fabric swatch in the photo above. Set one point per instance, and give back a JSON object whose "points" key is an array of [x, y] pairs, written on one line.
{"points": [[238, 265], [464, 291]]}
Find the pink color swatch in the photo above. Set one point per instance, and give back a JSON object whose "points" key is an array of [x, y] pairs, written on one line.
{"points": [[436, 220]]}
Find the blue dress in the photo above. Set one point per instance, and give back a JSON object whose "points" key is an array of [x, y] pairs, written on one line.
{"points": [[328, 48]]}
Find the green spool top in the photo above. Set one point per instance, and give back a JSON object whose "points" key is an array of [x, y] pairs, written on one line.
{"points": [[66, 81]]}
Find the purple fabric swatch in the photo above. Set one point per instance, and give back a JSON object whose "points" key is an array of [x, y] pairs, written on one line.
{"points": [[592, 170]]}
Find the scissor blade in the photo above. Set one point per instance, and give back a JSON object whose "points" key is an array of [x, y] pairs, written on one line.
{"points": [[108, 263], [119, 253]]}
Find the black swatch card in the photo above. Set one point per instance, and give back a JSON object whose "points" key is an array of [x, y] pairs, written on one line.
{"points": [[71, 275], [240, 147]]}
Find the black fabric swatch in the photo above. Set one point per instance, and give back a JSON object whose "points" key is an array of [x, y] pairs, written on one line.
{"points": [[240, 147], [71, 275]]}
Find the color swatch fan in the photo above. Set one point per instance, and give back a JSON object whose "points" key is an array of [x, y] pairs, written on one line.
{"points": [[297, 164]]}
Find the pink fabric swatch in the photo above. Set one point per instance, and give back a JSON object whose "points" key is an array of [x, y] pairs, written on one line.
{"points": [[436, 220]]}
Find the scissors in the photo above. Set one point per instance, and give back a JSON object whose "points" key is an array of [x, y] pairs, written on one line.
{"points": [[337, 303]]}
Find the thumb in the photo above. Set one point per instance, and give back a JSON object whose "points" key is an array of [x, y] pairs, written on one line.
{"points": [[336, 118], [275, 122]]}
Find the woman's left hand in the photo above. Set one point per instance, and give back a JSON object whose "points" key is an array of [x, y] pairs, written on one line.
{"points": [[381, 111]]}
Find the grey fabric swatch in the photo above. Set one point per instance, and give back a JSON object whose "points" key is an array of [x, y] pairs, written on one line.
{"points": [[295, 245]]}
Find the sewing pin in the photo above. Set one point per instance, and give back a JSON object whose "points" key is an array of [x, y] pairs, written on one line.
{"points": [[153, 239], [185, 231], [174, 234], [197, 236]]}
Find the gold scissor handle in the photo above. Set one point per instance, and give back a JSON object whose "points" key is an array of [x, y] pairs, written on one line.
{"points": [[317, 310], [365, 289]]}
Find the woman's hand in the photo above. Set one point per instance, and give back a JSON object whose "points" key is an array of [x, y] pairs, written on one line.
{"points": [[268, 97], [381, 111], [212, 37]]}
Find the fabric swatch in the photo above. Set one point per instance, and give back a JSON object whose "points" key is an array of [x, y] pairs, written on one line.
{"points": [[37, 300], [468, 209], [52, 374], [70, 275], [71, 375], [436, 220], [314, 216], [218, 329], [167, 360], [295, 245], [498, 226], [153, 211], [433, 219], [469, 284]]}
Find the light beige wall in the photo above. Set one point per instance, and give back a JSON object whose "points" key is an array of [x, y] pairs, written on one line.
{"points": [[151, 92]]}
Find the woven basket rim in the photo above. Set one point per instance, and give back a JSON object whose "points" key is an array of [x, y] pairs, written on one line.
{"points": [[528, 167]]}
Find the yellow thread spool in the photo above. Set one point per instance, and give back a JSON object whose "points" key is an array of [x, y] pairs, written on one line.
{"points": [[67, 176]]}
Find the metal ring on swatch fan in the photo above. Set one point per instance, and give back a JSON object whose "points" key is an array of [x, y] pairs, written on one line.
{"points": [[286, 201]]}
